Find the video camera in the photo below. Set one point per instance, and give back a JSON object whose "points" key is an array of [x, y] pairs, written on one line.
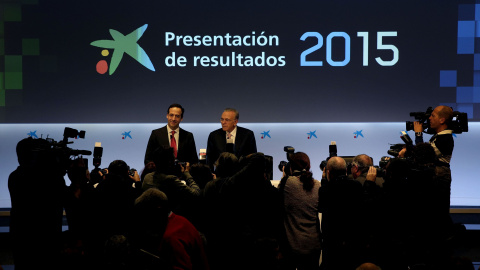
{"points": [[48, 152], [422, 117], [459, 122]]}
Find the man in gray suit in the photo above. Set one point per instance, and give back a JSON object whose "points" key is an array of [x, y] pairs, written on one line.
{"points": [[230, 138]]}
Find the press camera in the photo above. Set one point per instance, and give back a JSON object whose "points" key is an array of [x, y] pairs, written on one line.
{"points": [[284, 166]]}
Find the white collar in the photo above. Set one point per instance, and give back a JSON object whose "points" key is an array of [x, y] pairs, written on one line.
{"points": [[233, 133], [446, 131], [170, 130]]}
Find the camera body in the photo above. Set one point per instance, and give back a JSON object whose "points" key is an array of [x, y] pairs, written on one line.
{"points": [[131, 172], [422, 117], [332, 152], [284, 166]]}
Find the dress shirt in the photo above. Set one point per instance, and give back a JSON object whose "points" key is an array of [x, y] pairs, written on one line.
{"points": [[170, 134]]}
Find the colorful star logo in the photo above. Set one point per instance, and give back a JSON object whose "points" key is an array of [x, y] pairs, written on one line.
{"points": [[126, 135], [122, 44], [266, 134], [311, 134], [358, 133], [32, 134]]}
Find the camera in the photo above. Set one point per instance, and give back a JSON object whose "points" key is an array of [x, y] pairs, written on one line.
{"points": [[131, 172], [382, 165], [97, 155], [422, 117], [284, 165], [332, 150], [459, 122], [396, 148]]}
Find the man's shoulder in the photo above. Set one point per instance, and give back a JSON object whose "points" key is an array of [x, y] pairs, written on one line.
{"points": [[217, 131], [185, 131], [243, 130], [159, 130]]}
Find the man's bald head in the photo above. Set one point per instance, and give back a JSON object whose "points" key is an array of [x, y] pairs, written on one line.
{"points": [[336, 166], [445, 112], [360, 164], [440, 118]]}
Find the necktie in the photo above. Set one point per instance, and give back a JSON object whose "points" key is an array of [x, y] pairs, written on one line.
{"points": [[173, 144], [229, 135]]}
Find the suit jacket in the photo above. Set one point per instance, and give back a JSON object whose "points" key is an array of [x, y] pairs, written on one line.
{"points": [[217, 143], [187, 151]]}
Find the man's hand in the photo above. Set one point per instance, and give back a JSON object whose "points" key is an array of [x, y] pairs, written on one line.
{"points": [[417, 126], [135, 177], [372, 174], [402, 152]]}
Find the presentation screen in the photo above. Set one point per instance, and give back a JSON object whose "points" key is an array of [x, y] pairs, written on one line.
{"points": [[274, 61]]}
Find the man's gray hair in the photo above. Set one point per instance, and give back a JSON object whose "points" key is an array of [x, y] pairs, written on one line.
{"points": [[152, 198], [363, 162], [237, 115]]}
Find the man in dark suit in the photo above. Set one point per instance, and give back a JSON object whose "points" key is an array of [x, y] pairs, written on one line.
{"points": [[172, 135], [230, 138]]}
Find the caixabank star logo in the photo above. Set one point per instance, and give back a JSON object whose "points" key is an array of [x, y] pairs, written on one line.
{"points": [[120, 45]]}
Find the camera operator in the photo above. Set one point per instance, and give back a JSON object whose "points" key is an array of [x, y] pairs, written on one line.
{"points": [[415, 222], [174, 180], [299, 191], [362, 170], [113, 199], [341, 205], [442, 142], [36, 191]]}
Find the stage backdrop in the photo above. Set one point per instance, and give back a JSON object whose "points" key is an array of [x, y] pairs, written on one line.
{"points": [[274, 60], [291, 67]]}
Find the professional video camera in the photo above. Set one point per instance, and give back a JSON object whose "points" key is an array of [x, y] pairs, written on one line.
{"points": [[285, 165], [422, 117], [48, 152], [459, 122]]}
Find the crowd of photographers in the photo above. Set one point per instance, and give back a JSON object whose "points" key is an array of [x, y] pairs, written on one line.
{"points": [[182, 216]]}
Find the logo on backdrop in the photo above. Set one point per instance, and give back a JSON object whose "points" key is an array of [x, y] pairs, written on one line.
{"points": [[357, 134], [126, 135], [311, 134], [265, 134], [32, 134], [120, 45]]}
